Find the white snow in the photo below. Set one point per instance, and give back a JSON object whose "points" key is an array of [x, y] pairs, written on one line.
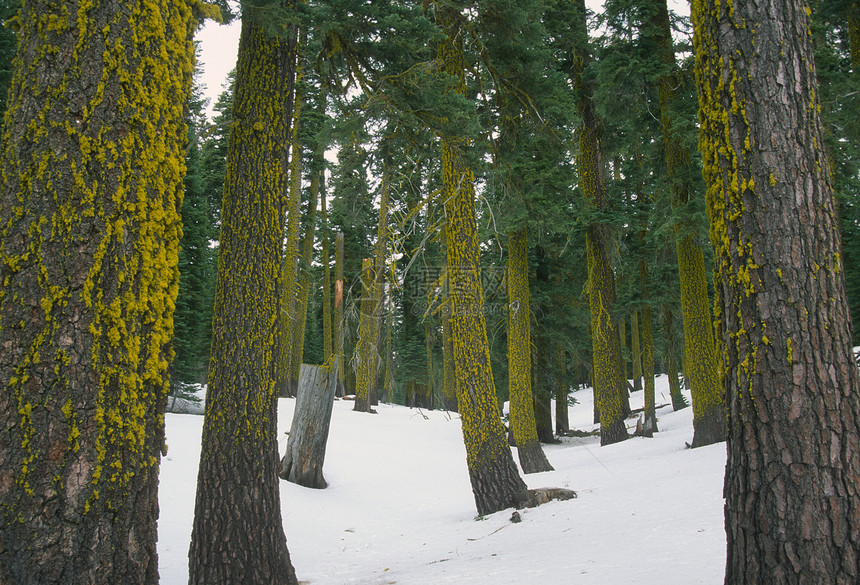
{"points": [[399, 507]]}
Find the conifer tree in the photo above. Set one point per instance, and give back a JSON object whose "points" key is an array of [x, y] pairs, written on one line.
{"points": [[193, 316], [495, 481], [89, 232], [791, 505], [238, 534], [609, 387], [703, 371]]}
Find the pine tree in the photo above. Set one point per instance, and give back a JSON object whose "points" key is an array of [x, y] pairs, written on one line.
{"points": [[197, 262], [8, 46], [237, 534], [709, 413], [495, 481], [609, 387], [791, 505], [92, 166]]}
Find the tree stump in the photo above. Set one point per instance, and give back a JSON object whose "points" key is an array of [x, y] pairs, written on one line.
{"points": [[303, 461]]}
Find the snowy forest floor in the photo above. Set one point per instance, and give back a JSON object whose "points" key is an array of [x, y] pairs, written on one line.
{"points": [[399, 507]]}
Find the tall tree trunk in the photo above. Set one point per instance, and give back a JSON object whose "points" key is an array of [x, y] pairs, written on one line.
{"points": [[88, 266], [238, 534], [650, 426], [610, 387], [853, 17], [297, 331], [496, 483], [522, 415], [562, 420], [678, 400], [449, 380], [338, 315], [364, 347], [380, 250], [791, 501], [326, 302], [289, 272], [701, 357], [636, 350], [622, 339], [388, 384]]}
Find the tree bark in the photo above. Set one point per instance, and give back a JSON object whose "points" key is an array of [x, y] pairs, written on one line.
{"points": [[610, 389], [636, 350], [92, 168], [650, 424], [328, 349], [289, 271], [702, 361], [303, 461], [678, 400], [364, 347], [299, 324], [522, 415], [792, 505], [238, 534], [562, 419], [338, 315], [493, 474]]}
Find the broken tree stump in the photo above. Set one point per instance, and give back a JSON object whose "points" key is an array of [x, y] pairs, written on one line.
{"points": [[303, 461]]}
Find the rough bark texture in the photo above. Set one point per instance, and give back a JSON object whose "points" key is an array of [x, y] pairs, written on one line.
{"points": [[92, 170], [364, 346], [622, 339], [610, 387], [493, 474], [289, 270], [238, 535], [679, 402], [650, 424], [636, 350], [303, 461], [299, 324], [522, 415], [793, 469], [702, 360], [328, 349], [338, 314]]}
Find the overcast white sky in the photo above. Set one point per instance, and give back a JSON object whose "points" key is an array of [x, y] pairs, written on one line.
{"points": [[219, 44]]}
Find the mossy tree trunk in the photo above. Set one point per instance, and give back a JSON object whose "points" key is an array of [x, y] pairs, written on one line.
{"points": [[366, 323], [702, 361], [286, 386], [238, 535], [610, 387], [449, 380], [636, 350], [647, 358], [562, 419], [679, 402], [792, 507], [299, 324], [622, 339], [92, 167], [522, 415], [380, 252], [326, 292], [338, 315], [494, 477]]}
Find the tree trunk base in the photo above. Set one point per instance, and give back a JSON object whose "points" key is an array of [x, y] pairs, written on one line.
{"points": [[614, 432], [709, 429], [533, 459], [497, 485]]}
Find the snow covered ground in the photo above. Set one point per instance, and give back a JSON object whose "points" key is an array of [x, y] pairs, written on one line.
{"points": [[399, 508]]}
